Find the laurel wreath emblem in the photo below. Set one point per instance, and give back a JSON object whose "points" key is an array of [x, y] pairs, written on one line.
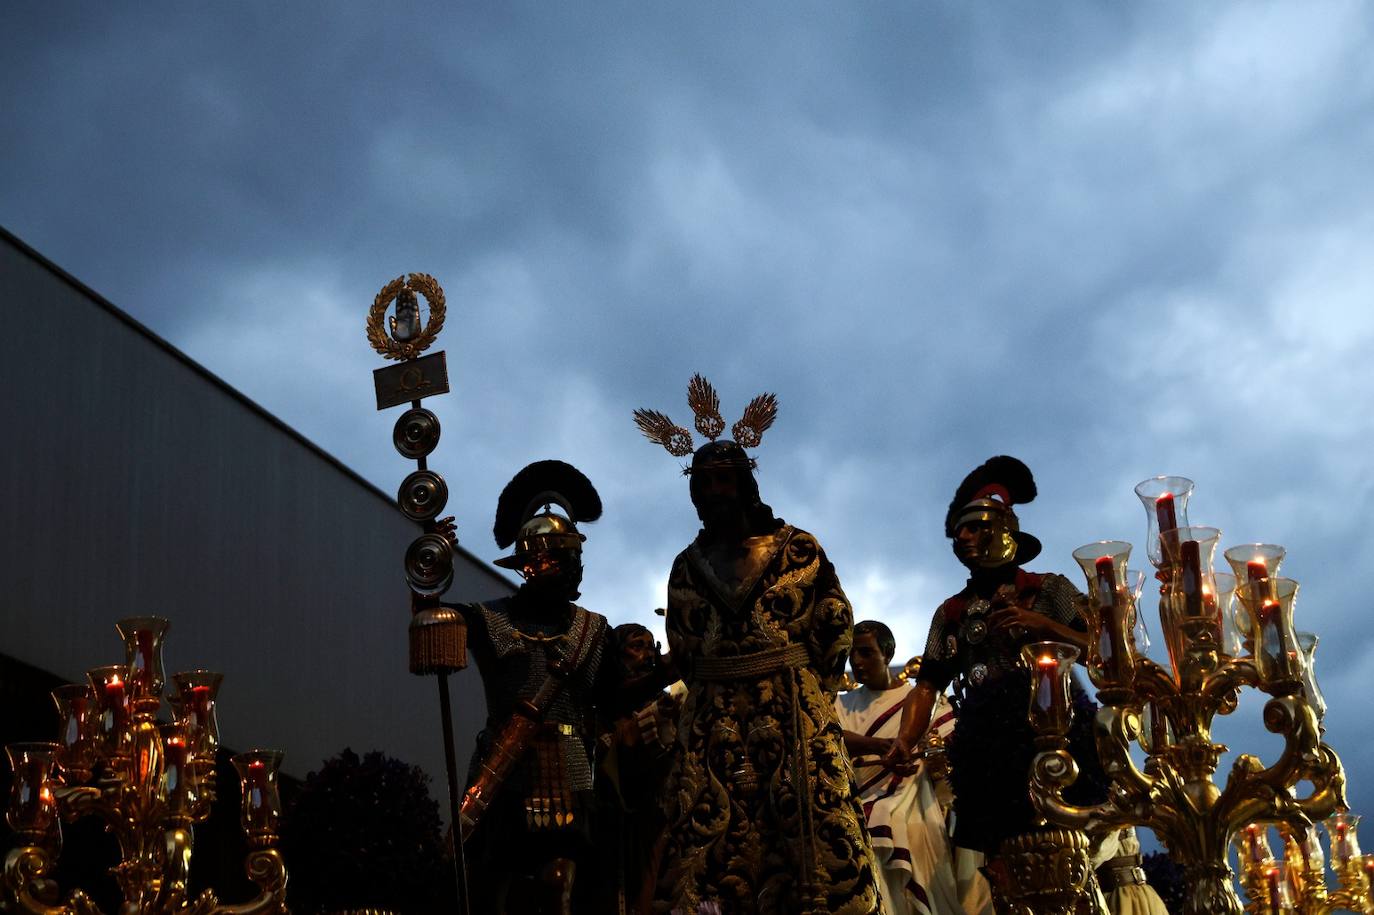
{"points": [[390, 348]]}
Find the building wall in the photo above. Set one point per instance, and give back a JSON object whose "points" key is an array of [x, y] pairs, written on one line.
{"points": [[134, 482]]}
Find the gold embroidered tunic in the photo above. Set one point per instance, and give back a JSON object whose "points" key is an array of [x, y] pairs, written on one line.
{"points": [[764, 816]]}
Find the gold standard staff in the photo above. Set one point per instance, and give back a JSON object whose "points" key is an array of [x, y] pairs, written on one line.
{"points": [[763, 813]]}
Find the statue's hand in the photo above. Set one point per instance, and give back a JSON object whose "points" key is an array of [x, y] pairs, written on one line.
{"points": [[445, 528], [405, 324]]}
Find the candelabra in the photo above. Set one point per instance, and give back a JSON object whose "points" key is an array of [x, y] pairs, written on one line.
{"points": [[149, 782], [1174, 793], [1297, 883]]}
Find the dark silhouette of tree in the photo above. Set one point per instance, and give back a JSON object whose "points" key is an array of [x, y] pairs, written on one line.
{"points": [[364, 834]]}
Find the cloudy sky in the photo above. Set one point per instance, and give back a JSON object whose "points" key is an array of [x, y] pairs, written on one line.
{"points": [[1115, 240]]}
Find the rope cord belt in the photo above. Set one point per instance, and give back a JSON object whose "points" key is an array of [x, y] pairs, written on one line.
{"points": [[755, 664]]}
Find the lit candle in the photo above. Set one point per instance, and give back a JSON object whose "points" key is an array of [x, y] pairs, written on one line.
{"points": [[1274, 889], [257, 776], [32, 808], [1044, 684], [1340, 845], [1106, 582], [1050, 663], [175, 774], [114, 704], [1261, 582], [261, 805], [1164, 512]]}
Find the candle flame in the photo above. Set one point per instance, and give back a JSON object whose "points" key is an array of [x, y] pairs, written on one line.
{"points": [[115, 681]]}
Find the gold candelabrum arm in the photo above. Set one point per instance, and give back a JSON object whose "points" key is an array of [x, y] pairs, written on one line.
{"points": [[1254, 792], [26, 877], [1221, 688], [267, 870]]}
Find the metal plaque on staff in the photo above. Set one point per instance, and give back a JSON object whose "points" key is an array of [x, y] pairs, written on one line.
{"points": [[411, 380]]}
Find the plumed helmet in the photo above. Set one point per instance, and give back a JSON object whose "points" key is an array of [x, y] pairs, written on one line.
{"points": [[526, 514], [987, 495]]}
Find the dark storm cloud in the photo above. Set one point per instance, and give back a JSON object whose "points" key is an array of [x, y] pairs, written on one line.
{"points": [[1113, 241]]}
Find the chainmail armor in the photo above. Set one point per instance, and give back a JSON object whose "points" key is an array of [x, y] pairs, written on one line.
{"points": [[561, 755], [970, 644]]}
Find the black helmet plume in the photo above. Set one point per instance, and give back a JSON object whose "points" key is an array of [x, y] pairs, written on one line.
{"points": [[1002, 472], [543, 483]]}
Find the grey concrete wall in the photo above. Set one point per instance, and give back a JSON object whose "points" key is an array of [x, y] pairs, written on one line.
{"points": [[133, 482]]}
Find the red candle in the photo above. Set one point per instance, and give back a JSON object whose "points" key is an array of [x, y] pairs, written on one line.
{"points": [[257, 775], [1210, 606], [1192, 578], [176, 751], [1258, 573], [114, 701], [1275, 891], [1106, 582], [200, 707], [1164, 512], [176, 769], [1340, 846], [1046, 670]]}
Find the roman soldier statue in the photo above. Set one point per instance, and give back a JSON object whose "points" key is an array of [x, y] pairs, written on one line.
{"points": [[526, 813]]}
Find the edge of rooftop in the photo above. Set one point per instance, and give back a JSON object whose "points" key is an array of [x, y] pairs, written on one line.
{"points": [[118, 313]]}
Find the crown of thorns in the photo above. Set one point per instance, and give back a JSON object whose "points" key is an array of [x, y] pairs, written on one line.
{"points": [[705, 403]]}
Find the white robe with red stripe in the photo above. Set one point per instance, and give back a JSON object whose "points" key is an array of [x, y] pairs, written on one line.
{"points": [[905, 817]]}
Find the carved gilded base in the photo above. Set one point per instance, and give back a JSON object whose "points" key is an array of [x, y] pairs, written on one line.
{"points": [[1046, 872], [1210, 890]]}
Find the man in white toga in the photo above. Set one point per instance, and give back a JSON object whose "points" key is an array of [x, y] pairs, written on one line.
{"points": [[906, 818]]}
